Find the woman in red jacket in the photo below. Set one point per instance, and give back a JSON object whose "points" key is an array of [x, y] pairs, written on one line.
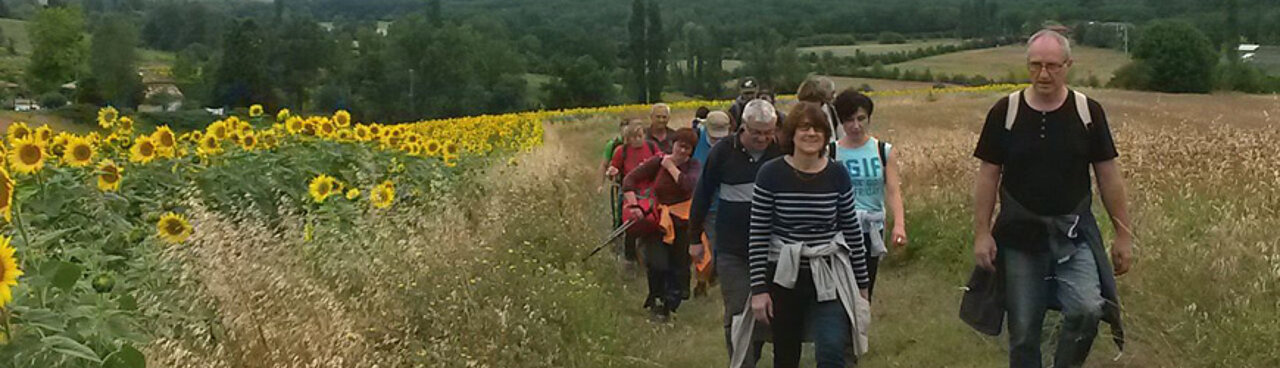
{"points": [[673, 178]]}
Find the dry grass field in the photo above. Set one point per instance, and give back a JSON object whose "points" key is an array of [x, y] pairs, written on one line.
{"points": [[999, 62]]}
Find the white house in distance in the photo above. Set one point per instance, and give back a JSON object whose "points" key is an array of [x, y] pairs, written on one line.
{"points": [[1265, 57]]}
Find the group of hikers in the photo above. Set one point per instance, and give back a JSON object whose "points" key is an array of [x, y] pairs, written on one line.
{"points": [[791, 213]]}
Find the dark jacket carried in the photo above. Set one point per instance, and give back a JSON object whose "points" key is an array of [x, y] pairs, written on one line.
{"points": [[983, 305]]}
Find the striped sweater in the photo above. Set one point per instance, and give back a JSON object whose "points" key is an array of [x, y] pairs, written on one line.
{"points": [[797, 207]]}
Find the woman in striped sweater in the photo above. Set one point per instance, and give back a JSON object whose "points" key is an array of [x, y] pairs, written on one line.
{"points": [[808, 264]]}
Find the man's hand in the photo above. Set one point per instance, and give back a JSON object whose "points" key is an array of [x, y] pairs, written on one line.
{"points": [[984, 251], [611, 171], [1122, 254], [762, 307], [899, 236]]}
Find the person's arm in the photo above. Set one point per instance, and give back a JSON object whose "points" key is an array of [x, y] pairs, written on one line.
{"points": [[761, 231], [992, 149], [704, 193], [851, 227], [688, 178], [893, 195], [1111, 186], [645, 172], [986, 183]]}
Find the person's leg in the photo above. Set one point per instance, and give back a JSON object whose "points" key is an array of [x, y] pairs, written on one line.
{"points": [[831, 332], [736, 289], [1026, 293], [679, 270], [790, 312], [656, 268], [1080, 295], [629, 247], [681, 262]]}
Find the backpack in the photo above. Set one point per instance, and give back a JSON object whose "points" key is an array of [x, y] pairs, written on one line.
{"points": [[653, 151], [1015, 99]]}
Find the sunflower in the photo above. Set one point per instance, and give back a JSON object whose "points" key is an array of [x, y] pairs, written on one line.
{"points": [[164, 140], [6, 194], [269, 140], [143, 150], [9, 271], [255, 110], [362, 133], [27, 156], [107, 117], [59, 146], [173, 228], [109, 176], [375, 130], [249, 141], [343, 135], [124, 125], [353, 194], [342, 118], [450, 148], [326, 128], [195, 136], [432, 147], [218, 130], [321, 187], [382, 195], [79, 152], [18, 130], [293, 125], [282, 115], [209, 145], [43, 135]]}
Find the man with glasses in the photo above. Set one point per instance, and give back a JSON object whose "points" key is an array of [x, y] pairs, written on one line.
{"points": [[729, 176], [1045, 249]]}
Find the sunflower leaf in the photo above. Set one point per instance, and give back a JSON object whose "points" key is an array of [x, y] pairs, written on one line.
{"points": [[70, 347], [66, 275]]}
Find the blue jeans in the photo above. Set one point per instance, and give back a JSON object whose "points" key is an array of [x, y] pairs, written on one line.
{"points": [[1034, 281], [798, 308]]}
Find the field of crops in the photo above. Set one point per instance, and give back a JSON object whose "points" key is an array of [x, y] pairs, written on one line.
{"points": [[319, 241]]}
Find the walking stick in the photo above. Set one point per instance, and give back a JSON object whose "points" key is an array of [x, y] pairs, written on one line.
{"points": [[613, 235]]}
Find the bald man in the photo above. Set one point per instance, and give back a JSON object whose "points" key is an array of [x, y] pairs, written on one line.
{"points": [[659, 132], [1036, 149]]}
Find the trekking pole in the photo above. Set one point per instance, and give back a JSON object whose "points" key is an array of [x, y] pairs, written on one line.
{"points": [[613, 235]]}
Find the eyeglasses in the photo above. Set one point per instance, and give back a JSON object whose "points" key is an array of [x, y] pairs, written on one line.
{"points": [[1036, 67]]}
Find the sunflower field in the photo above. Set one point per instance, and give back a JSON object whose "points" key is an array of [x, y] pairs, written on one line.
{"points": [[87, 218]]}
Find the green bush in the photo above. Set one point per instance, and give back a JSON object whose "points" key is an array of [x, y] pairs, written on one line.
{"points": [[1180, 57], [887, 38], [1136, 75], [52, 100]]}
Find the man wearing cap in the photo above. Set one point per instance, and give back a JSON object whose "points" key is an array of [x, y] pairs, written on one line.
{"points": [[727, 181], [748, 88]]}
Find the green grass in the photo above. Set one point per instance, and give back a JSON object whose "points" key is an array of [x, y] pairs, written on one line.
{"points": [[875, 48], [1001, 62], [17, 30]]}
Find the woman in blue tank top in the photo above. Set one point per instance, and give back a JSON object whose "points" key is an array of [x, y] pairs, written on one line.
{"points": [[873, 168]]}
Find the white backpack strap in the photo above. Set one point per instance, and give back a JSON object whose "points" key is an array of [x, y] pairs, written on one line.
{"points": [[1082, 108], [1011, 115]]}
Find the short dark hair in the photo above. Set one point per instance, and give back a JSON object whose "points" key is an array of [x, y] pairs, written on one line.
{"points": [[848, 102], [686, 136], [804, 114], [702, 112]]}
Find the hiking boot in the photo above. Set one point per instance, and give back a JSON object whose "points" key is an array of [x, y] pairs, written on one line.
{"points": [[658, 312]]}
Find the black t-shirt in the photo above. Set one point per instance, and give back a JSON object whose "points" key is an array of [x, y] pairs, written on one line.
{"points": [[1046, 157]]}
